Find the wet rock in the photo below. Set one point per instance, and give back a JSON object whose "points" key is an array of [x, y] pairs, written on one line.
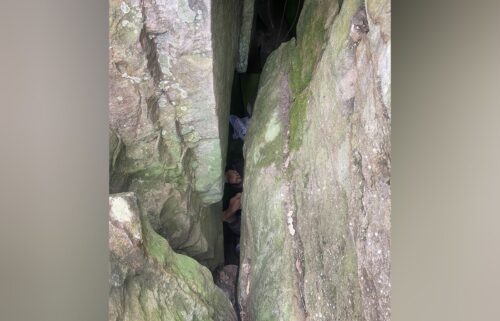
{"points": [[316, 206], [149, 281], [171, 68]]}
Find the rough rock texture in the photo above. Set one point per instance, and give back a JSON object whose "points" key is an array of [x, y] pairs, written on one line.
{"points": [[171, 68], [245, 34], [149, 281], [316, 202], [226, 280]]}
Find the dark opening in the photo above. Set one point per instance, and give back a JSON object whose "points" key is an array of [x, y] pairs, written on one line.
{"points": [[275, 22]]}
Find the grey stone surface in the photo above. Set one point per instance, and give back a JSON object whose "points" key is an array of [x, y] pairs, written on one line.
{"points": [[245, 34], [171, 68], [226, 279], [149, 281], [316, 201]]}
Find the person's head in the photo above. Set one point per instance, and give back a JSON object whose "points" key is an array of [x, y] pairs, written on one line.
{"points": [[233, 177]]}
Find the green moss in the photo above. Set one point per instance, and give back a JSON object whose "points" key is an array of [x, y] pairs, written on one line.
{"points": [[313, 29], [345, 285], [311, 36], [265, 142], [191, 278], [271, 293], [185, 267], [271, 152], [192, 272], [152, 170], [270, 149], [298, 119], [155, 245], [297, 61], [311, 33]]}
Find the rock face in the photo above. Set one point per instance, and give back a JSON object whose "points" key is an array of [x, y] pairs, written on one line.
{"points": [[171, 68], [226, 280], [149, 281], [245, 34], [316, 201]]}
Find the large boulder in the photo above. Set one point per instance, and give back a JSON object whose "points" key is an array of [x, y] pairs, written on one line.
{"points": [[149, 281], [171, 67], [316, 201]]}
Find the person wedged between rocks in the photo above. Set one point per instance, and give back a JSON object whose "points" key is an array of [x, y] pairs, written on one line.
{"points": [[232, 196], [232, 203]]}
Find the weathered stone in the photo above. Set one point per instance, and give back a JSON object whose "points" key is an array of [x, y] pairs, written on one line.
{"points": [[116, 155], [171, 68], [245, 34], [273, 28], [226, 280], [149, 281], [316, 201]]}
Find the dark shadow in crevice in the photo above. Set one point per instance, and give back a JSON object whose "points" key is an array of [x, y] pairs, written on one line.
{"points": [[275, 22]]}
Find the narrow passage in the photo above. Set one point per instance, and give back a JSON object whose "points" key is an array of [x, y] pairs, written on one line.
{"points": [[275, 22]]}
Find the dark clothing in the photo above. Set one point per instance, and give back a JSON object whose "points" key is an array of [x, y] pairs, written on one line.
{"points": [[235, 225], [231, 256]]}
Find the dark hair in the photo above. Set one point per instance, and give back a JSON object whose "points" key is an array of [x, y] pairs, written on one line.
{"points": [[237, 165]]}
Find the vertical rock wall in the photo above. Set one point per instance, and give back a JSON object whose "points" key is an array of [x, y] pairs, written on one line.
{"points": [[316, 203], [171, 68], [245, 34], [149, 281]]}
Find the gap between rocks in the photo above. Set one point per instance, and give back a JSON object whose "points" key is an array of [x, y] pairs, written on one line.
{"points": [[274, 23]]}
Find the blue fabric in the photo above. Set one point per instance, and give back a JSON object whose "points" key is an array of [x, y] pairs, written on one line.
{"points": [[239, 126]]}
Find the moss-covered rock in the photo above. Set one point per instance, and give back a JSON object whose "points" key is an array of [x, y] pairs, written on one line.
{"points": [[171, 68], [316, 202], [149, 281]]}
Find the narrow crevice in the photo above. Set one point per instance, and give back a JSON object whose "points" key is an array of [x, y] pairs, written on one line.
{"points": [[317, 189], [275, 22], [149, 47]]}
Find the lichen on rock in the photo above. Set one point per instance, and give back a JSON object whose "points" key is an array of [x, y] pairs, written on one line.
{"points": [[171, 67], [149, 281], [316, 206]]}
